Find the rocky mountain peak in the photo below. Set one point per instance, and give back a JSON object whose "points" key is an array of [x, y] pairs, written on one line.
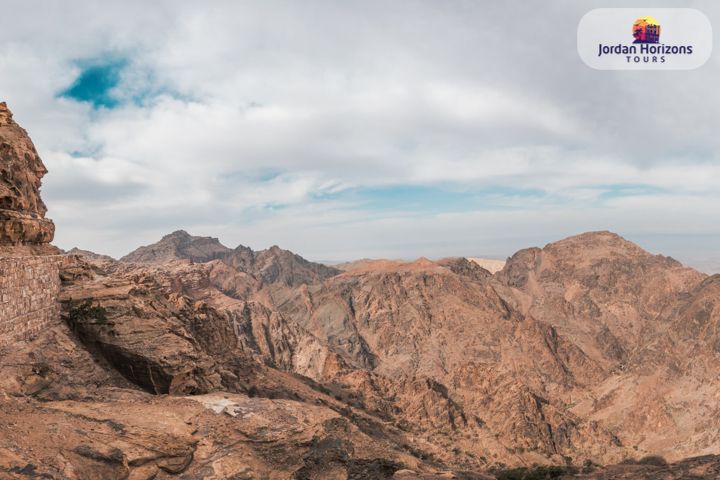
{"points": [[5, 115], [181, 237], [574, 255], [179, 245], [598, 288], [22, 211], [176, 234], [275, 265], [593, 246]]}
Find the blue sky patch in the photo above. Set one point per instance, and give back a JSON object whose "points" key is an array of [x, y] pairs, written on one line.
{"points": [[630, 190], [430, 199], [96, 83]]}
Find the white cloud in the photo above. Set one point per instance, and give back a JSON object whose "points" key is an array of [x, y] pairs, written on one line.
{"points": [[266, 121]]}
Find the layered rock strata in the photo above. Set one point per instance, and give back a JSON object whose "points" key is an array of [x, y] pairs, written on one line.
{"points": [[22, 211]]}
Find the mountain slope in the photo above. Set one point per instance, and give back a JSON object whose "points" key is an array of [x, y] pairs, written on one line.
{"points": [[592, 323], [650, 323], [444, 322], [277, 265], [598, 289]]}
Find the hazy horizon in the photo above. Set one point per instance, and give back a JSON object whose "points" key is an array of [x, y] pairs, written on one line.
{"points": [[653, 244], [361, 129]]}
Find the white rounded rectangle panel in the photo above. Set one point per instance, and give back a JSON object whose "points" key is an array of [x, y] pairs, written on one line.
{"points": [[644, 39]]}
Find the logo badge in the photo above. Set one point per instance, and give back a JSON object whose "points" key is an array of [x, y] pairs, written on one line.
{"points": [[684, 42]]}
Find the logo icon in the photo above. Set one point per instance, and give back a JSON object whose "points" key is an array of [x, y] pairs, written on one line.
{"points": [[646, 30]]}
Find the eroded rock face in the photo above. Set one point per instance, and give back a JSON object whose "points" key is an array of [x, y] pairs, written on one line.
{"points": [[22, 211], [598, 288], [455, 358], [92, 406], [66, 415], [647, 320], [161, 343]]}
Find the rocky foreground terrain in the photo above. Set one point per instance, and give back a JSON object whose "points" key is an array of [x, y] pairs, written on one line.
{"points": [[589, 358]]}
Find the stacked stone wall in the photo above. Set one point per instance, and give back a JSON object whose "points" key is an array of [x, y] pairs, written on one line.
{"points": [[29, 288]]}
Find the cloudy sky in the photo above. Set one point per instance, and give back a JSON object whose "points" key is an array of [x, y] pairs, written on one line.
{"points": [[342, 130]]}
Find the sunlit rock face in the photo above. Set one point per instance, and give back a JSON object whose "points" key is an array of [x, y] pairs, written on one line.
{"points": [[23, 226]]}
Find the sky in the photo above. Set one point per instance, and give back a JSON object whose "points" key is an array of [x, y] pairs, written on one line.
{"points": [[343, 130]]}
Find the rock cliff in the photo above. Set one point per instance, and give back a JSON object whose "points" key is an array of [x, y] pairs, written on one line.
{"points": [[23, 226]]}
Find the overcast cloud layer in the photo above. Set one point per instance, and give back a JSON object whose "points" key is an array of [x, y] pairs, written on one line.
{"points": [[342, 130]]}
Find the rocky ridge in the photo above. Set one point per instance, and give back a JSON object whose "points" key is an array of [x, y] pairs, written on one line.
{"points": [[23, 226], [269, 266]]}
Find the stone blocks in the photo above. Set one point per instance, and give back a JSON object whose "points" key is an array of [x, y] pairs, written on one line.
{"points": [[29, 287]]}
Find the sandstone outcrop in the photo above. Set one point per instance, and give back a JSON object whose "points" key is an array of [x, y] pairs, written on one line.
{"points": [[66, 415], [29, 265], [23, 226]]}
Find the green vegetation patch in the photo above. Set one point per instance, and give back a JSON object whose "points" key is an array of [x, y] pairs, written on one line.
{"points": [[522, 473], [86, 312]]}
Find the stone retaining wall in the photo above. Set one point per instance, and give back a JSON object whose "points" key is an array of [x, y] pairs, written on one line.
{"points": [[29, 287]]}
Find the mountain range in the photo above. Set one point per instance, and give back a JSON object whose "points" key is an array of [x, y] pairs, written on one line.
{"points": [[589, 354]]}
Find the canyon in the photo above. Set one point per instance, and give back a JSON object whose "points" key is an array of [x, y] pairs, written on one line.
{"points": [[189, 359]]}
